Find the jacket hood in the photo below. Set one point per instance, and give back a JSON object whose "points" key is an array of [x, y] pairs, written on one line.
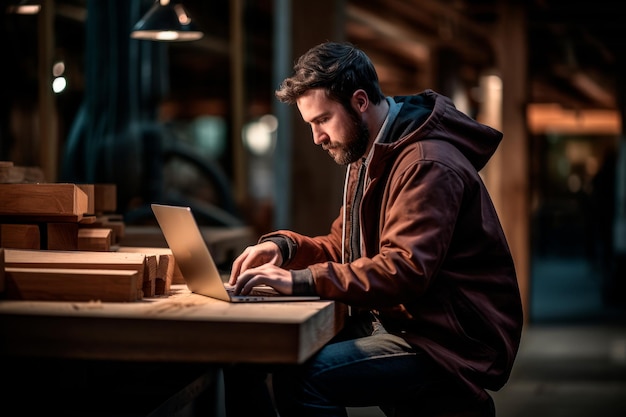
{"points": [[430, 115]]}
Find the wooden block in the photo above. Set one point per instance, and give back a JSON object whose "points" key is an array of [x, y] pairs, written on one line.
{"points": [[94, 239], [176, 274], [71, 284], [89, 190], [79, 260], [17, 258], [43, 201], [86, 220], [20, 236], [113, 222], [62, 236], [149, 276], [165, 273], [105, 198]]}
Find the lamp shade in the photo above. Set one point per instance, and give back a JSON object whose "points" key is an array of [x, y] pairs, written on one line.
{"points": [[23, 7], [167, 20]]}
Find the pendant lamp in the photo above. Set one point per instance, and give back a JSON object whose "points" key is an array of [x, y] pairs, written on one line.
{"points": [[23, 7], [167, 20]]}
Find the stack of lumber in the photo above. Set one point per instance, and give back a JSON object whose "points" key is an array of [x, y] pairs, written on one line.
{"points": [[59, 241], [57, 216], [73, 275], [130, 274]]}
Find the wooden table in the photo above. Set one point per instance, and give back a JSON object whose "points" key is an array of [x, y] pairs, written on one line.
{"points": [[184, 328]]}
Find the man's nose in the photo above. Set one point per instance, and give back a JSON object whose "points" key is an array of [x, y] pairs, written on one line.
{"points": [[319, 136]]}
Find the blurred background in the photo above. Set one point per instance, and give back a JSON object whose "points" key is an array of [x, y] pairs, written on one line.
{"points": [[195, 121]]}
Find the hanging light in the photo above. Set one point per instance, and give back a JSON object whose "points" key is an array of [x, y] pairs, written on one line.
{"points": [[167, 20], [23, 7]]}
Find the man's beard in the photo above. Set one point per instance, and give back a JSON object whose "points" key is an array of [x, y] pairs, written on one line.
{"points": [[358, 138]]}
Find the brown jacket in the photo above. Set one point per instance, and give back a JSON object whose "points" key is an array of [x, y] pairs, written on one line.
{"points": [[436, 265]]}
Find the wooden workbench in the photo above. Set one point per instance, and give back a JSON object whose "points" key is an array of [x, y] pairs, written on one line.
{"points": [[182, 327], [156, 357]]}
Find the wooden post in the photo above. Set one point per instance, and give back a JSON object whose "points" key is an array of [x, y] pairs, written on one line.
{"points": [[506, 175], [317, 181], [48, 134], [237, 37]]}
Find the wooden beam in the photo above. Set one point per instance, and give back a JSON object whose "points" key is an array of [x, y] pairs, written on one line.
{"points": [[165, 274], [47, 199], [62, 236], [94, 239], [71, 284], [20, 236], [149, 276], [78, 260], [48, 123], [506, 174], [105, 198], [89, 190], [238, 99]]}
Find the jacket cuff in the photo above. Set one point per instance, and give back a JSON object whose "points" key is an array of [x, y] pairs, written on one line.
{"points": [[303, 283], [286, 246]]}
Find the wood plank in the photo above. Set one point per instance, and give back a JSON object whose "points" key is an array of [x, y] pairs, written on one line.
{"points": [[144, 249], [94, 239], [18, 258], [20, 236], [149, 276], [86, 220], [62, 236], [181, 327], [115, 222], [79, 260], [165, 274], [52, 199], [175, 277], [89, 190], [105, 198], [71, 284]]}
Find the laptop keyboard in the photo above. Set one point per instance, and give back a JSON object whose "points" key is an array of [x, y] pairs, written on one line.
{"points": [[261, 290]]}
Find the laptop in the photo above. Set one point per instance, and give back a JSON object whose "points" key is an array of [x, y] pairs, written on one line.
{"points": [[196, 264]]}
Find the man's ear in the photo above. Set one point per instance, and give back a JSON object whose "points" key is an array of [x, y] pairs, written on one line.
{"points": [[360, 100]]}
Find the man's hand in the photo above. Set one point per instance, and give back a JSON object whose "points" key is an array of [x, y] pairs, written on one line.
{"points": [[266, 274], [260, 264]]}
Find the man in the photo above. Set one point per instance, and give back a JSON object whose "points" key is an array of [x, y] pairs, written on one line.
{"points": [[417, 252]]}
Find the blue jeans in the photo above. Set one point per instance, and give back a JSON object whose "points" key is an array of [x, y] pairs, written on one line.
{"points": [[364, 366]]}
